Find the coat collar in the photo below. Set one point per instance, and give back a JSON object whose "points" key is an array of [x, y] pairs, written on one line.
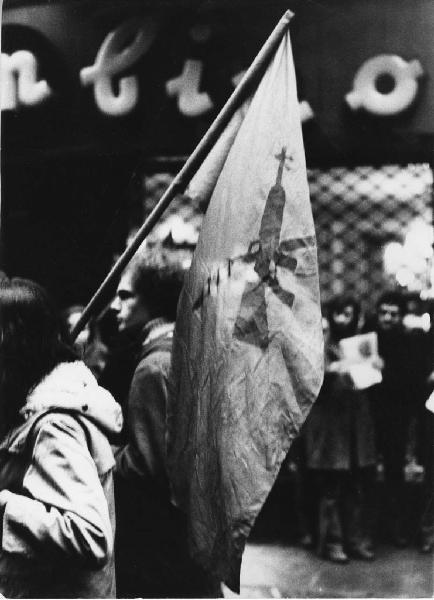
{"points": [[155, 329]]}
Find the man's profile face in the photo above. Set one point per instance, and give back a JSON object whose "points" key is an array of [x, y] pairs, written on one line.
{"points": [[389, 316], [131, 312]]}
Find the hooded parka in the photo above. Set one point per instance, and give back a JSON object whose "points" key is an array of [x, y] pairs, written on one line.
{"points": [[56, 491]]}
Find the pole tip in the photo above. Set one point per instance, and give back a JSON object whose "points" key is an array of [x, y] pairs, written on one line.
{"points": [[287, 16]]}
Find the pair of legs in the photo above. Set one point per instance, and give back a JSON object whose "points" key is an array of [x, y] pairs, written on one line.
{"points": [[393, 418], [344, 513]]}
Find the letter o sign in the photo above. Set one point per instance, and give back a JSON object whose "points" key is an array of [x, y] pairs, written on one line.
{"points": [[402, 77]]}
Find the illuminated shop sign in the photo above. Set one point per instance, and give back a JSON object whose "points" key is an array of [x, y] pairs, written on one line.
{"points": [[84, 77], [121, 49]]}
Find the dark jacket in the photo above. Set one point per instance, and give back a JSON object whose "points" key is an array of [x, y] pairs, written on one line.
{"points": [[151, 543], [339, 431], [56, 482], [406, 366]]}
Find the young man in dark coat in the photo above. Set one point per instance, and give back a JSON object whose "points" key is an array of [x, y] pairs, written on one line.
{"points": [[151, 541], [395, 402]]}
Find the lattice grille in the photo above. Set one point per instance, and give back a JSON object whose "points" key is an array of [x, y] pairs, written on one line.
{"points": [[356, 212]]}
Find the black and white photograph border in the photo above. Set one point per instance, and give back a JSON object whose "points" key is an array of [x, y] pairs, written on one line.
{"points": [[123, 129]]}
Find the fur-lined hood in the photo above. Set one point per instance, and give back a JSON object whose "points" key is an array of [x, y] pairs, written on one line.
{"points": [[56, 486], [70, 387]]}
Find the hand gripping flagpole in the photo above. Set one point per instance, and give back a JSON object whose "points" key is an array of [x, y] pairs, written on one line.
{"points": [[190, 167]]}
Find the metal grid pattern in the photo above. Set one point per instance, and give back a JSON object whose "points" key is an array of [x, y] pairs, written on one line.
{"points": [[356, 212]]}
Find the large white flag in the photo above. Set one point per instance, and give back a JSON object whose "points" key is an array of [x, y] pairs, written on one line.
{"points": [[248, 349]]}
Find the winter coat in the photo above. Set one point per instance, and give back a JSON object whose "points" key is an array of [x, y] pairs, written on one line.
{"points": [[56, 493], [339, 431], [152, 539]]}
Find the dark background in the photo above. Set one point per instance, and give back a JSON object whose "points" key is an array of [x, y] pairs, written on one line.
{"points": [[71, 175]]}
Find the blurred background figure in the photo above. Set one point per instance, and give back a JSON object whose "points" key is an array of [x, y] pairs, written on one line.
{"points": [[394, 405], [340, 446], [89, 345], [71, 316], [417, 324]]}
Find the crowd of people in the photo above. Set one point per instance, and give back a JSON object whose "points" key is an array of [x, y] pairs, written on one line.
{"points": [[82, 464], [85, 500], [354, 437]]}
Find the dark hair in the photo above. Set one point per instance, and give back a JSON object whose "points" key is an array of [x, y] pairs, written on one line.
{"points": [[31, 343], [337, 305], [392, 297], [157, 277]]}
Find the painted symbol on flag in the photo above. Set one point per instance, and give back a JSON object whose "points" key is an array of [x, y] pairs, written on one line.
{"points": [[268, 252]]}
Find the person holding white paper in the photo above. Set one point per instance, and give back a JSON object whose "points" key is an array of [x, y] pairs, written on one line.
{"points": [[340, 448]]}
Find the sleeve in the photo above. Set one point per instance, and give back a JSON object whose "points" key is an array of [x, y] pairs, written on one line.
{"points": [[144, 454], [336, 375], [64, 509]]}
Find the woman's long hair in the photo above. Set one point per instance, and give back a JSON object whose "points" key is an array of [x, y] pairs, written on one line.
{"points": [[31, 344]]}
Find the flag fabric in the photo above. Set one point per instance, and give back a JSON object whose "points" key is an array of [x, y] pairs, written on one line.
{"points": [[248, 349]]}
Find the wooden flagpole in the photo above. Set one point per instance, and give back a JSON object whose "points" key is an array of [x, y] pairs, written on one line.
{"points": [[190, 167]]}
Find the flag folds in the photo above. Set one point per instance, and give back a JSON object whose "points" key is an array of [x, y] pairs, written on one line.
{"points": [[248, 350]]}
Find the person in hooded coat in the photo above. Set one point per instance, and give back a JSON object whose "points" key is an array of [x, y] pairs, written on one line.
{"points": [[56, 464]]}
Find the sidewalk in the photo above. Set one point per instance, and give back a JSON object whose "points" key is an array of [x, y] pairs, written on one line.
{"points": [[281, 571]]}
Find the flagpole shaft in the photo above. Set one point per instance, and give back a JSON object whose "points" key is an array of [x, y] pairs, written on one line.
{"points": [[190, 167]]}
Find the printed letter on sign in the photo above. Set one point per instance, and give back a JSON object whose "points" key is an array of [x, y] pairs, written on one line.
{"points": [[114, 57], [403, 75], [191, 102], [18, 81]]}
